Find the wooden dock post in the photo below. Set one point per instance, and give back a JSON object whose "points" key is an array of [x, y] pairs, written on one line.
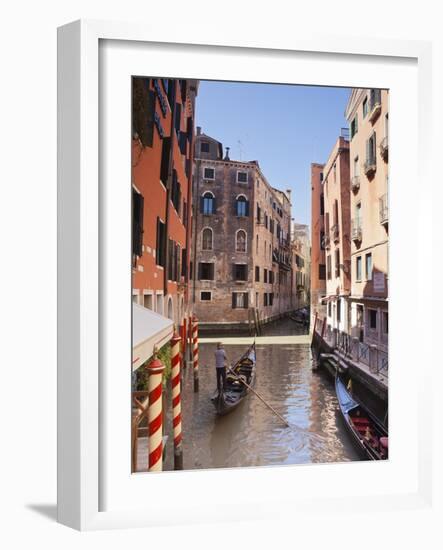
{"points": [[195, 351]]}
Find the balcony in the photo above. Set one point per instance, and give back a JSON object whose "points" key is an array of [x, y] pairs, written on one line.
{"points": [[374, 105], [355, 183], [335, 230], [384, 209], [370, 166], [326, 242], [356, 231], [384, 148]]}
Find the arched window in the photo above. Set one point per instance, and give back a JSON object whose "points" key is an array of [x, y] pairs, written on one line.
{"points": [[170, 309], [241, 206], [207, 203], [240, 241], [207, 238]]}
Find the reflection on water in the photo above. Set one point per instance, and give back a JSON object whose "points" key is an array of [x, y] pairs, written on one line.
{"points": [[252, 435]]}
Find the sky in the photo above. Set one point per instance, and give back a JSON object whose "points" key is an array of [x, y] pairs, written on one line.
{"points": [[284, 127]]}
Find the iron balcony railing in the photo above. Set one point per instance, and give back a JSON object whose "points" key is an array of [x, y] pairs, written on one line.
{"points": [[355, 183], [384, 209], [374, 104], [335, 229], [356, 230], [370, 165]]}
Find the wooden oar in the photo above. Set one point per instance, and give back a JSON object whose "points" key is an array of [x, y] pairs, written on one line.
{"points": [[259, 396]]}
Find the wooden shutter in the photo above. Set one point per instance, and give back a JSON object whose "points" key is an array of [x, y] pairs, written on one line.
{"points": [[137, 223], [234, 272], [184, 262], [234, 301], [211, 272], [178, 114], [199, 271], [214, 205], [245, 299], [247, 208], [182, 140], [164, 168]]}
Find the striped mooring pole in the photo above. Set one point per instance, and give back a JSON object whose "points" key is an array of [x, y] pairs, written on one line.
{"points": [[176, 401], [183, 343], [195, 350], [155, 415]]}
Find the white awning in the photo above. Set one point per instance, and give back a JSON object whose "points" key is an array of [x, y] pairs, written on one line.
{"points": [[149, 329]]}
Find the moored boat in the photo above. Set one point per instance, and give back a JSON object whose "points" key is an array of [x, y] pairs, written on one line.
{"points": [[367, 432], [235, 391]]}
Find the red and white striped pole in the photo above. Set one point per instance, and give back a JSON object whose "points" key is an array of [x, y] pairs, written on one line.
{"points": [[195, 350], [176, 401], [155, 415], [183, 343]]}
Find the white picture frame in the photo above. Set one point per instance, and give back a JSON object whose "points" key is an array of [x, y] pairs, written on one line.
{"points": [[95, 490]]}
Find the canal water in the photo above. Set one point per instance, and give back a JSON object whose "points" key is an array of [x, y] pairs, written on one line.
{"points": [[252, 435]]}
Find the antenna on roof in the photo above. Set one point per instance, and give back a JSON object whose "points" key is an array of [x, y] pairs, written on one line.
{"points": [[240, 148]]}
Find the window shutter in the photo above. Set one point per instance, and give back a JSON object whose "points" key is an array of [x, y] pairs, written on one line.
{"points": [[137, 221], [214, 205], [235, 207], [247, 208], [164, 168], [368, 150], [178, 114], [182, 143], [234, 272], [211, 272], [199, 271], [246, 296], [234, 301]]}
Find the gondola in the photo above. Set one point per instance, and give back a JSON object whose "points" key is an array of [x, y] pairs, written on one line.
{"points": [[234, 393], [367, 432]]}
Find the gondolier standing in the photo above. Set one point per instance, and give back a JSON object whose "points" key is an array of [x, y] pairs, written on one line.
{"points": [[220, 367]]}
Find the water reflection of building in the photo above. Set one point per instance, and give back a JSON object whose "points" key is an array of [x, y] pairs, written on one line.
{"points": [[368, 115]]}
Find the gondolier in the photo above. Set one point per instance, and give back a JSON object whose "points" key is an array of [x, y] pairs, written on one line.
{"points": [[220, 367]]}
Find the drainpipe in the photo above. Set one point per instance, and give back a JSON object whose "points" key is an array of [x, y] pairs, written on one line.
{"points": [[168, 189]]}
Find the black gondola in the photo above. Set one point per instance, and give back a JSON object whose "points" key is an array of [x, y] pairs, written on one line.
{"points": [[367, 432], [234, 393]]}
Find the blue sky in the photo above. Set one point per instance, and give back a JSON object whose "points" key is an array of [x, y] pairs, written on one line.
{"points": [[284, 127]]}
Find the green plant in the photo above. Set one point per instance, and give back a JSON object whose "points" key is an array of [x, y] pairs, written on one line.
{"points": [[140, 377]]}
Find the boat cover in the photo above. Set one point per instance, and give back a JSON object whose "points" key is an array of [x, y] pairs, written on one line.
{"points": [[345, 399]]}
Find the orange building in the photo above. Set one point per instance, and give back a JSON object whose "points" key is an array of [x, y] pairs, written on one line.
{"points": [[163, 114]]}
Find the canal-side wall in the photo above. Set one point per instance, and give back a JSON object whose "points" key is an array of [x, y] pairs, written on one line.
{"points": [[331, 359]]}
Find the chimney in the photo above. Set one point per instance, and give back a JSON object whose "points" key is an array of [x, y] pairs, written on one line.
{"points": [[288, 193], [227, 154], [199, 130]]}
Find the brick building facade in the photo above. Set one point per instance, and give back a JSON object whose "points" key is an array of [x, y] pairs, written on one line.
{"points": [[241, 240], [162, 160]]}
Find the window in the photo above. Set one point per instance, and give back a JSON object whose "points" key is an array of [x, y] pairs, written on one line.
{"points": [[204, 147], [322, 240], [206, 271], [257, 273], [242, 177], [372, 315], [338, 310], [329, 268], [358, 268], [207, 204], [147, 301], [387, 125], [159, 304], [271, 226], [354, 126], [322, 204], [240, 241], [337, 263], [271, 277], [256, 244], [239, 300], [371, 145], [240, 272], [164, 166], [207, 238], [160, 243], [368, 266], [322, 272], [205, 296], [329, 309], [209, 173], [266, 223], [365, 107], [143, 111], [265, 275], [176, 193], [258, 214], [137, 223], [265, 299], [271, 298], [241, 206]]}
